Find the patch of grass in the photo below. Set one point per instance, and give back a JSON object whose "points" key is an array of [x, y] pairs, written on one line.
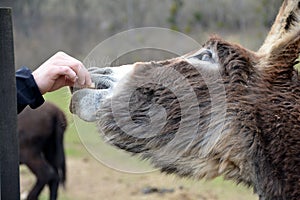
{"points": [[297, 65], [45, 196]]}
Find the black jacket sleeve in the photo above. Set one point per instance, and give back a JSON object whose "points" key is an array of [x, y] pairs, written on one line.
{"points": [[28, 92]]}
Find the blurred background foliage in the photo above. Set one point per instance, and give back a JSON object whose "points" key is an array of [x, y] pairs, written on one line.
{"points": [[77, 26]]}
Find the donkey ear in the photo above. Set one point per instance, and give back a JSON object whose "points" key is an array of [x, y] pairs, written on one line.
{"points": [[285, 30], [283, 56]]}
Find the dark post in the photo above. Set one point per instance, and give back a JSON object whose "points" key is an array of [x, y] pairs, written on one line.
{"points": [[9, 147]]}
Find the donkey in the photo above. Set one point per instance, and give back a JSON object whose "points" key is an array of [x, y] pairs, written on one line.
{"points": [[41, 133], [222, 110]]}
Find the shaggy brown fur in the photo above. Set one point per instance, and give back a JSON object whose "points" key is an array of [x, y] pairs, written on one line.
{"points": [[251, 136], [259, 144]]}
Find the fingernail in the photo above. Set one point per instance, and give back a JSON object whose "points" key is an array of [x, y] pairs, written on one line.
{"points": [[75, 78], [92, 86]]}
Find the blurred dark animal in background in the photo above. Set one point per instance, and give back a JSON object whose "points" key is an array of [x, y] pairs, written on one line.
{"points": [[41, 133]]}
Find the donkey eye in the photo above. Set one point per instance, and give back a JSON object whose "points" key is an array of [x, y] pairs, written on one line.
{"points": [[204, 56]]}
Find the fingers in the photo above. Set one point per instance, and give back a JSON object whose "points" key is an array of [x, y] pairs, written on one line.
{"points": [[65, 71], [88, 78], [83, 77], [61, 70]]}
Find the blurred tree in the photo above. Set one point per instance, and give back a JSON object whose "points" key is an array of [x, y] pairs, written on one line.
{"points": [[130, 13], [30, 13], [174, 10], [269, 11], [81, 22]]}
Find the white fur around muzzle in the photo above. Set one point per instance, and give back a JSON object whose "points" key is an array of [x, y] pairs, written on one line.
{"points": [[86, 102]]}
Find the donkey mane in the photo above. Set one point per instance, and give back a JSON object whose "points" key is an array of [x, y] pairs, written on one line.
{"points": [[237, 61]]}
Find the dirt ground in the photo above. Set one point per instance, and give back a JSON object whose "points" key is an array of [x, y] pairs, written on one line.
{"points": [[87, 179]]}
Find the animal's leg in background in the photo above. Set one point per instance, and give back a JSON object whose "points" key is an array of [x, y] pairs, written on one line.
{"points": [[53, 187], [44, 173], [50, 155], [55, 156]]}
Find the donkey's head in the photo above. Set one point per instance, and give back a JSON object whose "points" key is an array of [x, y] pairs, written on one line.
{"points": [[219, 110]]}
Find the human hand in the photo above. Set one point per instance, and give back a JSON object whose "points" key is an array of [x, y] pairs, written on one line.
{"points": [[61, 70]]}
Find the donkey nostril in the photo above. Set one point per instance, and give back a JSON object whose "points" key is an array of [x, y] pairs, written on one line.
{"points": [[102, 81], [103, 71], [107, 71], [103, 84]]}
